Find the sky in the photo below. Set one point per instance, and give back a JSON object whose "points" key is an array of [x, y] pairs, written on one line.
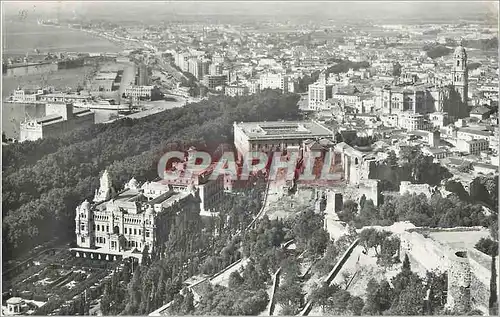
{"points": [[325, 9]]}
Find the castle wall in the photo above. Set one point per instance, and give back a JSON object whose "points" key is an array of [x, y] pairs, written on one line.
{"points": [[468, 278], [459, 282], [429, 254]]}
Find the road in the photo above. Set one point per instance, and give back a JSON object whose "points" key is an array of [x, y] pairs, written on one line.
{"points": [[155, 107]]}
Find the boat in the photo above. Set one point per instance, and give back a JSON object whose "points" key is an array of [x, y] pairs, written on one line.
{"points": [[101, 105]]}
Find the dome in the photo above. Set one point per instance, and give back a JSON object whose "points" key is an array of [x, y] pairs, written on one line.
{"points": [[85, 205], [133, 184], [15, 301]]}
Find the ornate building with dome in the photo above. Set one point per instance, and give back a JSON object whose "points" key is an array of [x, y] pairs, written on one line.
{"points": [[116, 225]]}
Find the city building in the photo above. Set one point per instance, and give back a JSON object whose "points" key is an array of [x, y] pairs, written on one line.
{"points": [[60, 118], [139, 92], [105, 81], [236, 90], [411, 121], [198, 68], [122, 225], [319, 93], [215, 69], [27, 95], [209, 191], [473, 134], [274, 81], [275, 136], [142, 78], [480, 113], [17, 306], [474, 147], [213, 81]]}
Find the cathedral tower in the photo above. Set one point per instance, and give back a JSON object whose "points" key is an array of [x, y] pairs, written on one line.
{"points": [[460, 81]]}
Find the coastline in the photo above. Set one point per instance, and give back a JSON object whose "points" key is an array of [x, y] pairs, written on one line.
{"points": [[68, 39]]}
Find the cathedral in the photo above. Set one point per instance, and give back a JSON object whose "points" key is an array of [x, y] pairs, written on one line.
{"points": [[431, 96]]}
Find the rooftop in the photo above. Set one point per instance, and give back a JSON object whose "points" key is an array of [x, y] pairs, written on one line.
{"points": [[283, 129]]}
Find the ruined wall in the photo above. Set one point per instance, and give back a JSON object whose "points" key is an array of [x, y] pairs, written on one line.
{"points": [[371, 189], [459, 282], [429, 255], [415, 189], [480, 264], [288, 204], [468, 278]]}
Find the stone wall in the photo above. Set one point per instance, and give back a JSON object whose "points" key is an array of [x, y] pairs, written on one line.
{"points": [[416, 189], [459, 282], [425, 251], [468, 278]]}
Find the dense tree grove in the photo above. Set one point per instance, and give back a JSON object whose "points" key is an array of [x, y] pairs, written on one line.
{"points": [[385, 246], [407, 295], [337, 301], [412, 165], [461, 208], [438, 211], [435, 50], [487, 246], [45, 180]]}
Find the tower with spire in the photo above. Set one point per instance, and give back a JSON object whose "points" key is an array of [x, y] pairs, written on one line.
{"points": [[460, 82]]}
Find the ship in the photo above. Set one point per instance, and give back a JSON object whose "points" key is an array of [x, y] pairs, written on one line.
{"points": [[101, 105], [71, 63]]}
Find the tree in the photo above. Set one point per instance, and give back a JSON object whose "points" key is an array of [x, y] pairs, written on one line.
{"points": [[145, 256], [327, 262], [321, 294], [396, 70], [388, 250], [392, 159], [355, 305], [235, 280], [318, 242], [488, 246], [349, 211], [411, 299], [187, 306], [493, 300], [338, 303], [290, 294], [438, 286]]}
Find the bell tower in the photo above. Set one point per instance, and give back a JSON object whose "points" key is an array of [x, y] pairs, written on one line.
{"points": [[460, 81]]}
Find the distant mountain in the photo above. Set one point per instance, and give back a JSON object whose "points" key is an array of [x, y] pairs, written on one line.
{"points": [[387, 12]]}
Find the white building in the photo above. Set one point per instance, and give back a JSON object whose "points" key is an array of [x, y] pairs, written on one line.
{"points": [[474, 147], [274, 81], [139, 92], [318, 94]]}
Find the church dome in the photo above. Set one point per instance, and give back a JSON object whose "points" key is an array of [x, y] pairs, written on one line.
{"points": [[133, 184], [85, 205]]}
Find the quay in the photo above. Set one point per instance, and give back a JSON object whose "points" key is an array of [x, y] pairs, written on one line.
{"points": [[18, 65]]}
